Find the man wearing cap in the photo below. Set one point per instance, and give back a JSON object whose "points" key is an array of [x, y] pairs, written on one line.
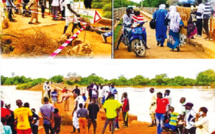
{"points": [[152, 107], [201, 122], [189, 119]]}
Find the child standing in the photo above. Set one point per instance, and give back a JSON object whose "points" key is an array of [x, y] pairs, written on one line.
{"points": [[57, 121], [125, 109], [82, 115]]}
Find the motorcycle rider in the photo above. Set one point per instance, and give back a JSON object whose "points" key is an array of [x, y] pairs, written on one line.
{"points": [[127, 20], [137, 17]]}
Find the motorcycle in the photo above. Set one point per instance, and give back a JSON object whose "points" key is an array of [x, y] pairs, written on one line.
{"points": [[134, 39]]}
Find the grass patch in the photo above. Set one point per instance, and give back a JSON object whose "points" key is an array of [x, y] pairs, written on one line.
{"points": [[29, 85], [117, 31]]}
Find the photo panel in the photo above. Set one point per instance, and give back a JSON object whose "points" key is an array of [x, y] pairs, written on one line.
{"points": [[130, 100], [56, 29], [164, 29]]}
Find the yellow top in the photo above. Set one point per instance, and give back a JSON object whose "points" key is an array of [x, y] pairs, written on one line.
{"points": [[22, 115], [111, 106]]}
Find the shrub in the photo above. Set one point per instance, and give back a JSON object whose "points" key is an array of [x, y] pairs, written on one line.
{"points": [[107, 7], [107, 14]]}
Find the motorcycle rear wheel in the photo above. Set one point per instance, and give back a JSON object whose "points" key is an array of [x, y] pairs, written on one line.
{"points": [[136, 47]]}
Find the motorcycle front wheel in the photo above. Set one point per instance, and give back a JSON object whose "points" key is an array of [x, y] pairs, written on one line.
{"points": [[138, 47]]}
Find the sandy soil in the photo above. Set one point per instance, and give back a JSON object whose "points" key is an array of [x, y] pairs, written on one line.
{"points": [[54, 30], [135, 127], [156, 52]]}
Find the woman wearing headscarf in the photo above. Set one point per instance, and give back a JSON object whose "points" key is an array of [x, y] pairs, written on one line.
{"points": [[161, 29], [174, 26]]}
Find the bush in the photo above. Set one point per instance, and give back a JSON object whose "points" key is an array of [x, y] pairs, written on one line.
{"points": [[57, 79], [24, 86], [107, 14], [107, 7], [70, 82], [97, 5]]}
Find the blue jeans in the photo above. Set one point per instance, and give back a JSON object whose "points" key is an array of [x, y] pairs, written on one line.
{"points": [[160, 119]]}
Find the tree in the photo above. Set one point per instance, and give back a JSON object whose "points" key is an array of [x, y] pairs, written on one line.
{"points": [[205, 78], [160, 78], [57, 78]]}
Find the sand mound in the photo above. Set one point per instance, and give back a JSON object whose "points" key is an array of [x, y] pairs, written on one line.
{"points": [[37, 88], [5, 24], [82, 50]]}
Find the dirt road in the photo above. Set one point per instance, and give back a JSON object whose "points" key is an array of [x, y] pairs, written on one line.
{"points": [[156, 52]]}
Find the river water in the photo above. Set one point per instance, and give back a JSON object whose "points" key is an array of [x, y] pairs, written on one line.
{"points": [[139, 99]]}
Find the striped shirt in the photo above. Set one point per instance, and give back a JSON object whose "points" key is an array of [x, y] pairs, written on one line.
{"points": [[173, 119], [208, 9], [137, 18], [200, 11]]}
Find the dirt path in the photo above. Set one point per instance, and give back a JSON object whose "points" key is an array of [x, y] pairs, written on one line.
{"points": [[156, 52], [53, 29], [135, 127]]}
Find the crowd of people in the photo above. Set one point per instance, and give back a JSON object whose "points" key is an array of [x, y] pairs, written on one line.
{"points": [[24, 120], [186, 121], [202, 12]]}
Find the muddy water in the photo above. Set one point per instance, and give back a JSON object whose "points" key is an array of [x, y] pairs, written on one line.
{"points": [[10, 95], [140, 101]]}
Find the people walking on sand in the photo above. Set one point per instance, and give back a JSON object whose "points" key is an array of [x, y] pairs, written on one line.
{"points": [[174, 26], [22, 115], [66, 99], [33, 5], [206, 16], [47, 112], [78, 100], [189, 119], [152, 107], [55, 7], [71, 15], [160, 28], [93, 109], [111, 107], [160, 111], [57, 121], [199, 16], [82, 115], [201, 121], [172, 124], [54, 96], [43, 7], [35, 122], [125, 109]]}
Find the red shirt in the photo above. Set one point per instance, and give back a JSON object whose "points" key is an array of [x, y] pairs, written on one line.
{"points": [[137, 18], [4, 112], [161, 105], [125, 107]]}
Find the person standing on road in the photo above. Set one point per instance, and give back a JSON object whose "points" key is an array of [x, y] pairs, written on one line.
{"points": [[111, 107], [35, 122], [66, 99], [55, 7], [189, 119], [10, 5], [57, 121], [47, 112], [160, 111], [71, 15], [47, 90], [174, 24], [93, 109], [206, 16], [33, 5], [76, 90], [54, 96], [127, 20], [125, 109], [43, 7], [78, 100], [161, 29], [82, 115], [152, 107], [199, 16], [22, 115]]}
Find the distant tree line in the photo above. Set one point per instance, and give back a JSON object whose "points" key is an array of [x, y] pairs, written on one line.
{"points": [[205, 78]]}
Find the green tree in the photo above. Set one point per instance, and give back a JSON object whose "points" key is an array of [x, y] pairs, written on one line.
{"points": [[57, 78], [205, 78]]}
